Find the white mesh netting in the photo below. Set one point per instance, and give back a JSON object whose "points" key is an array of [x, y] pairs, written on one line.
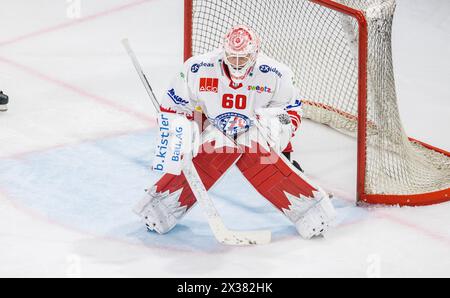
{"points": [[321, 47]]}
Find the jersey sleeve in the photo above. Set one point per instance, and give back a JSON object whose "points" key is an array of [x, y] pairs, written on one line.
{"points": [[178, 97], [294, 109]]}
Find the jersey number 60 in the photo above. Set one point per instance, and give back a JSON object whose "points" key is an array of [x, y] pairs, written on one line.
{"points": [[238, 102]]}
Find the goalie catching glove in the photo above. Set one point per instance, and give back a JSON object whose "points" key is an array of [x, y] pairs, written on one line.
{"points": [[278, 126]]}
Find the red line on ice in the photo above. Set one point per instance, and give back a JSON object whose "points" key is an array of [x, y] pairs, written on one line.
{"points": [[382, 213], [95, 138], [34, 214], [73, 88], [101, 100], [72, 23], [425, 231]]}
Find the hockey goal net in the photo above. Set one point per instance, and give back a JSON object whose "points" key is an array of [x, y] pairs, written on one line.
{"points": [[340, 52]]}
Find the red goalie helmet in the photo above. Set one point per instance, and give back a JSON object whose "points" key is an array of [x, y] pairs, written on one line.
{"points": [[241, 48]]}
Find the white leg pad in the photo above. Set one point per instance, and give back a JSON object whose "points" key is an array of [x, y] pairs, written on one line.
{"points": [[155, 213], [316, 221]]}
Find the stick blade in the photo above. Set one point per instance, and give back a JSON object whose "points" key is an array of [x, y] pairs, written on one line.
{"points": [[237, 238]]}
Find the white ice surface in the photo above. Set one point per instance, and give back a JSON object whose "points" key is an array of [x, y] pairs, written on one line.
{"points": [[75, 150]]}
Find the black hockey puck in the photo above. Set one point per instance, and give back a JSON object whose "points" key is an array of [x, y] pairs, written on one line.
{"points": [[4, 99]]}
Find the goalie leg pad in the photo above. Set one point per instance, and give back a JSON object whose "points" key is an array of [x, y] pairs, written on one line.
{"points": [[289, 190], [172, 193], [158, 211], [273, 176], [316, 221]]}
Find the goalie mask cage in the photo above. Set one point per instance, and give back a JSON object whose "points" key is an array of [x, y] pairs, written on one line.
{"points": [[341, 56]]}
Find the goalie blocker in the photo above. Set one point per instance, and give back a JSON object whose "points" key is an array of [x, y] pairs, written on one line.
{"points": [[272, 175]]}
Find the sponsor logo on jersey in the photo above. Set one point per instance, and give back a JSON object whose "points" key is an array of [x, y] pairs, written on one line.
{"points": [[260, 89], [209, 85], [196, 67], [232, 123], [176, 99], [267, 69]]}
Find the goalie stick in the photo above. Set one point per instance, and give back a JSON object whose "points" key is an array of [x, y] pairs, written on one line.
{"points": [[220, 231]]}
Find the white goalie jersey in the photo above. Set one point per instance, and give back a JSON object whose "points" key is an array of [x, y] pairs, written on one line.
{"points": [[204, 84]]}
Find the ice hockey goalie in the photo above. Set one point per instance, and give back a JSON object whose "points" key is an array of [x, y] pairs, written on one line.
{"points": [[252, 110]]}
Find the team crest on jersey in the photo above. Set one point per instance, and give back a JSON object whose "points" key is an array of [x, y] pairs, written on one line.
{"points": [[209, 85], [196, 67], [267, 69], [232, 123]]}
